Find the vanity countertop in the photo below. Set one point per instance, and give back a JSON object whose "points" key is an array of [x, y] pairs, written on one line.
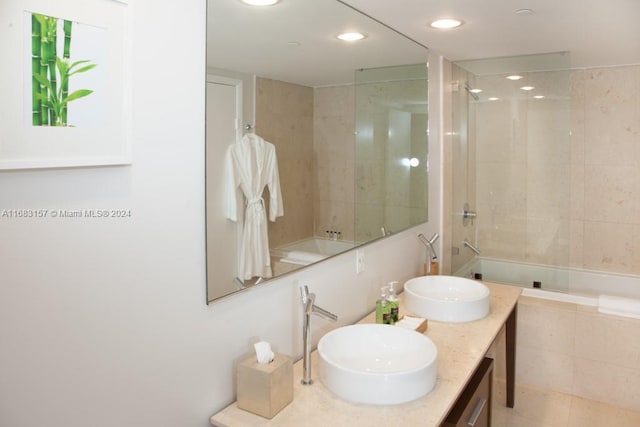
{"points": [[461, 348]]}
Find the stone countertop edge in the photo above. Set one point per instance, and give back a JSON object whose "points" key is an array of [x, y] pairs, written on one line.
{"points": [[461, 348]]}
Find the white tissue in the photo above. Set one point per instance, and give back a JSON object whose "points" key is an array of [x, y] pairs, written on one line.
{"points": [[263, 352]]}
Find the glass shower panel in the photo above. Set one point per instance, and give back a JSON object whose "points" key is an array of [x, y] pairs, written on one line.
{"points": [[391, 150], [519, 124]]}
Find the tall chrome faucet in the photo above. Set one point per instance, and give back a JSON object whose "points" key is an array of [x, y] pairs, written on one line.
{"points": [[309, 307], [431, 254]]}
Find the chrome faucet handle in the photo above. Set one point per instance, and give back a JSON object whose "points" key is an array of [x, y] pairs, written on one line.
{"points": [[304, 293], [468, 215]]}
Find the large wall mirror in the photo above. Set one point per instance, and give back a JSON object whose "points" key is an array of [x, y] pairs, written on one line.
{"points": [[338, 129]]}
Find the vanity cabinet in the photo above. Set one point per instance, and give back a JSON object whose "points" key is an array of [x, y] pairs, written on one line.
{"points": [[464, 373], [473, 407]]}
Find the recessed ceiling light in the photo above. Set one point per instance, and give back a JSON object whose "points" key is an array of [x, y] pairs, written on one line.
{"points": [[527, 88], [514, 77], [475, 90], [293, 43], [446, 24], [538, 96], [493, 98], [351, 37], [260, 2]]}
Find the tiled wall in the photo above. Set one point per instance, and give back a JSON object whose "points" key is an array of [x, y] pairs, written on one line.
{"points": [[389, 128], [523, 169], [576, 350], [547, 198], [312, 129], [284, 117], [605, 180], [334, 151]]}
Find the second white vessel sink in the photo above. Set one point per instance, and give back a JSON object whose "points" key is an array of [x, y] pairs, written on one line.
{"points": [[377, 364], [447, 298]]}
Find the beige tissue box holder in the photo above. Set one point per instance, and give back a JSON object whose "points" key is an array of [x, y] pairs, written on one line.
{"points": [[265, 389]]}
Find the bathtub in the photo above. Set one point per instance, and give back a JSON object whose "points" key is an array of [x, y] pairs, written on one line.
{"points": [[308, 251], [584, 287]]}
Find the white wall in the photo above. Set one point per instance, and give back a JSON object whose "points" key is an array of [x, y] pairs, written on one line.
{"points": [[104, 322]]}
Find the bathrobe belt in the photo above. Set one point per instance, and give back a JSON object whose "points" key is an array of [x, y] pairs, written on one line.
{"points": [[255, 207]]}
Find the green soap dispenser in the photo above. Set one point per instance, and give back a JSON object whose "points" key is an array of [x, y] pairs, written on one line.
{"points": [[383, 308], [392, 300]]}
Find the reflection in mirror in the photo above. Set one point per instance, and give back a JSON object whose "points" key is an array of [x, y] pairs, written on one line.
{"points": [[391, 150], [293, 86]]}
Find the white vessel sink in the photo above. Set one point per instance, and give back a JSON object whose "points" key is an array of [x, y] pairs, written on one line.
{"points": [[377, 364], [447, 298]]}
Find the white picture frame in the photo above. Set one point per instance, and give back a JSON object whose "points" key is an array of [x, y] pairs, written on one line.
{"points": [[101, 132]]}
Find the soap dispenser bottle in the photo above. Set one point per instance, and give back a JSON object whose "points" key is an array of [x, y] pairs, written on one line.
{"points": [[394, 305], [383, 308]]}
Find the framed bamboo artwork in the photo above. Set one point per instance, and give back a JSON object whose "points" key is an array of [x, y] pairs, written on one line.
{"points": [[65, 83]]}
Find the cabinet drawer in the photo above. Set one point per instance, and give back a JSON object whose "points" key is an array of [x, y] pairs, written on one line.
{"points": [[473, 407]]}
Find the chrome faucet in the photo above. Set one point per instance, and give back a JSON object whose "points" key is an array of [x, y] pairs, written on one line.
{"points": [[309, 307], [432, 255], [470, 246]]}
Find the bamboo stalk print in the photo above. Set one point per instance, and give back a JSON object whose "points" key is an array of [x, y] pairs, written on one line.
{"points": [[44, 66], [36, 100], [52, 55], [51, 74], [66, 54]]}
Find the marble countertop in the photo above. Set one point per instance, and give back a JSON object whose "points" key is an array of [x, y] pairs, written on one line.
{"points": [[461, 348]]}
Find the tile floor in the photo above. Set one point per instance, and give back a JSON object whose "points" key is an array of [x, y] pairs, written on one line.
{"points": [[536, 407]]}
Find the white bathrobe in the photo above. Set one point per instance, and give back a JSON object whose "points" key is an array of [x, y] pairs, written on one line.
{"points": [[251, 166]]}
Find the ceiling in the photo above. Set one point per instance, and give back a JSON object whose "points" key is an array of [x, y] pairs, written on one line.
{"points": [[594, 32], [295, 40]]}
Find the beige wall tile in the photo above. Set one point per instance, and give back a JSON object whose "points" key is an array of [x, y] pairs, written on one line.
{"points": [[608, 246], [544, 369], [284, 117], [606, 382], [593, 176], [547, 327], [609, 339], [612, 114], [610, 193]]}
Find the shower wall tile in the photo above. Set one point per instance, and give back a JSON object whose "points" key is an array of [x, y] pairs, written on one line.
{"points": [[577, 197], [609, 247], [635, 238], [334, 151], [611, 193], [577, 116], [612, 115], [594, 181], [284, 117], [547, 241], [576, 244], [611, 105], [547, 121]]}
